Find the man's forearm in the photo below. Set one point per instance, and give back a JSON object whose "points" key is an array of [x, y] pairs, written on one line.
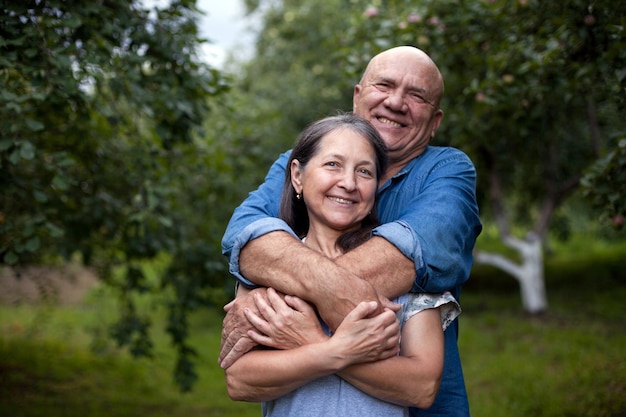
{"points": [[382, 265], [279, 261], [276, 259]]}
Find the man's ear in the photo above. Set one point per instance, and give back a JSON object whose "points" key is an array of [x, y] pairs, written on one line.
{"points": [[355, 96], [438, 119]]}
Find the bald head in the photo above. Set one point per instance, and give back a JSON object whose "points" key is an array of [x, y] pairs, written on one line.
{"points": [[414, 60], [400, 94]]}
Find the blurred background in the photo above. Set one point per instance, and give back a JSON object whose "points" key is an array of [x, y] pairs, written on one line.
{"points": [[130, 130]]}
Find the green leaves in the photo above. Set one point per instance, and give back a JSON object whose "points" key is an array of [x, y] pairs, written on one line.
{"points": [[100, 108], [604, 183], [17, 150], [533, 89]]}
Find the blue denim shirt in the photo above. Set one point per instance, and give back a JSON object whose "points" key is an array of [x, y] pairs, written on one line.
{"points": [[428, 211]]}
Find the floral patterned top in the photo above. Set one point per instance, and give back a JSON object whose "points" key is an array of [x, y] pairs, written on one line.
{"points": [[413, 303]]}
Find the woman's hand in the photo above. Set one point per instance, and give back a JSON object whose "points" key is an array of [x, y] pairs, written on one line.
{"points": [[361, 338], [283, 323], [290, 322]]}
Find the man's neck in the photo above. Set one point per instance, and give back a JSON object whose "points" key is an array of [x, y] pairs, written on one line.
{"points": [[391, 171], [397, 166]]}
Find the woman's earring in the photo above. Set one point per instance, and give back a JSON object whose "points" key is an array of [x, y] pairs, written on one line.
{"points": [[298, 196]]}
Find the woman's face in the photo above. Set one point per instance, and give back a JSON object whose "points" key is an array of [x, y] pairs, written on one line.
{"points": [[339, 183]]}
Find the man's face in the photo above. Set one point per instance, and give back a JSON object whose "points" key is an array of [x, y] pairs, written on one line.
{"points": [[399, 94]]}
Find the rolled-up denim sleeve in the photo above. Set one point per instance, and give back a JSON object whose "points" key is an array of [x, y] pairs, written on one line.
{"points": [[401, 235], [256, 216], [252, 231]]}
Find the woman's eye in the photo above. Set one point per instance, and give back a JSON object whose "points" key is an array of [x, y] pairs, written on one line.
{"points": [[365, 172]]}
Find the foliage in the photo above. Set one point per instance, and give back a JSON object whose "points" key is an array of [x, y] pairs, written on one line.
{"points": [[604, 183], [296, 75], [101, 153], [532, 88]]}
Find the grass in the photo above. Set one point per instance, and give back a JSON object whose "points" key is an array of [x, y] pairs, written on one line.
{"points": [[571, 361], [57, 361]]}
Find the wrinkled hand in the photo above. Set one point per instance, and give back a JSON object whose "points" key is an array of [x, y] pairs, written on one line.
{"points": [[235, 341], [339, 297], [366, 339], [284, 323]]}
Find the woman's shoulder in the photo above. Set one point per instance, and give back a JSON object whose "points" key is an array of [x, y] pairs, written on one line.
{"points": [[413, 303]]}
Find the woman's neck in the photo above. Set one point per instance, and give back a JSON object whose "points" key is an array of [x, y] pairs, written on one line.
{"points": [[324, 241]]}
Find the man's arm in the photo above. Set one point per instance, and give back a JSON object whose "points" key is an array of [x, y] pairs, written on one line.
{"points": [[382, 265], [432, 236], [276, 259], [280, 261]]}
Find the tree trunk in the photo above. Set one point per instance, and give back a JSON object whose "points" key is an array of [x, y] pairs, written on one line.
{"points": [[529, 273]]}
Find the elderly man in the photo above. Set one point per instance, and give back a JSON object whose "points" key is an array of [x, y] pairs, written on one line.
{"points": [[427, 206]]}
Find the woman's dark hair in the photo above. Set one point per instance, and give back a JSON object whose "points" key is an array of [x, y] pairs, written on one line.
{"points": [[293, 210]]}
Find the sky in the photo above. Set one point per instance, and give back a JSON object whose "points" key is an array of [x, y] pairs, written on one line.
{"points": [[224, 25]]}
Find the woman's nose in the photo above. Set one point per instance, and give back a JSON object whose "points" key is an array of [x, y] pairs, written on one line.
{"points": [[348, 181]]}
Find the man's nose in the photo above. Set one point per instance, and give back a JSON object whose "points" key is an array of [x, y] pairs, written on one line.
{"points": [[395, 101]]}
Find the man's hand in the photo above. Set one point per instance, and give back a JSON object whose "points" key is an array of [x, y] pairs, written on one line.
{"points": [[235, 341], [284, 323], [335, 286]]}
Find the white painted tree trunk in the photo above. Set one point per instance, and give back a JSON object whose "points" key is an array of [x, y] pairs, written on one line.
{"points": [[529, 273]]}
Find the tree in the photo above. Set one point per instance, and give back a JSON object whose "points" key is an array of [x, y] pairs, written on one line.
{"points": [[100, 109], [605, 185], [296, 75], [531, 93]]}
